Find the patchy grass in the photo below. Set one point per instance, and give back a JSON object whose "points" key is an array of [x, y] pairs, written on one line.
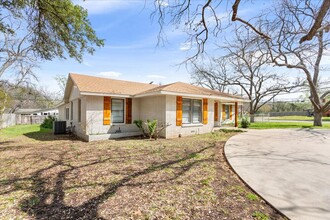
{"points": [[183, 178], [252, 196], [297, 118], [271, 125], [260, 216]]}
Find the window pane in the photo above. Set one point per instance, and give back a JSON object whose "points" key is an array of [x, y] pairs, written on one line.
{"points": [[72, 111], [197, 111], [227, 112], [67, 113], [79, 110], [186, 111], [117, 110]]}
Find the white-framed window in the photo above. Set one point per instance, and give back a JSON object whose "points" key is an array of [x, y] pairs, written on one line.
{"points": [[117, 110], [227, 111], [67, 113], [79, 110], [71, 116], [191, 111]]}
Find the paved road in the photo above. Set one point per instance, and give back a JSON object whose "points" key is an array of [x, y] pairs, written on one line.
{"points": [[290, 168]]}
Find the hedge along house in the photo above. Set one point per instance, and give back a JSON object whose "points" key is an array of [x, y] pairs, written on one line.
{"points": [[102, 108]]}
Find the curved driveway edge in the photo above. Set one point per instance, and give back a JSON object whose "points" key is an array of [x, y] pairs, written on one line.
{"points": [[290, 168]]}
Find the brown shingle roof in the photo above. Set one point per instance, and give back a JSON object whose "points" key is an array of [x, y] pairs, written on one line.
{"points": [[104, 85], [185, 88], [94, 84]]}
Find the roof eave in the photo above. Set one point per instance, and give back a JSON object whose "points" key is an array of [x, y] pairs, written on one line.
{"points": [[68, 87], [106, 94], [192, 95]]}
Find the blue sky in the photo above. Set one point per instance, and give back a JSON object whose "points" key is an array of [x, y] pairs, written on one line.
{"points": [[130, 51]]}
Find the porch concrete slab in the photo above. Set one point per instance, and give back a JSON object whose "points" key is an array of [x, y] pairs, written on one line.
{"points": [[290, 168]]}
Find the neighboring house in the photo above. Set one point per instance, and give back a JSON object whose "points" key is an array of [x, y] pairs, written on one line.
{"points": [[22, 111], [47, 112], [101, 108], [44, 112]]}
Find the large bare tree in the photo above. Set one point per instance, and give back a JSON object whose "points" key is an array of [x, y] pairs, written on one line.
{"points": [[17, 61], [290, 25], [204, 18], [245, 67], [214, 75]]}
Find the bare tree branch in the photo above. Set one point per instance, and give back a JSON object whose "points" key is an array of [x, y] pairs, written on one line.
{"points": [[235, 18], [317, 25], [287, 28]]}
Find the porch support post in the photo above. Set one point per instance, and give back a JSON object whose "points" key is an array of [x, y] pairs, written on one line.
{"points": [[236, 114]]}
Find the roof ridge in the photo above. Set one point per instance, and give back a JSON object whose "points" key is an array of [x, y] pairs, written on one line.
{"points": [[105, 78]]}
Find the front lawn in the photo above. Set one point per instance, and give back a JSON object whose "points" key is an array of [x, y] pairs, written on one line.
{"points": [[297, 118], [182, 178], [274, 125]]}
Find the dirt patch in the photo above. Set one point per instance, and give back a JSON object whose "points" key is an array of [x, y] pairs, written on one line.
{"points": [[186, 178]]}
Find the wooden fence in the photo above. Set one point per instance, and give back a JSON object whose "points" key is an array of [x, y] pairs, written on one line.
{"points": [[30, 119], [7, 120]]}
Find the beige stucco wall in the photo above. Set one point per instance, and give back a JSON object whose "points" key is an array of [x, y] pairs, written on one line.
{"points": [[162, 108], [153, 107], [75, 93], [173, 131], [94, 117], [61, 112], [79, 127]]}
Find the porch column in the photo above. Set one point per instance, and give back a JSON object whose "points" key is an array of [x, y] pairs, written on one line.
{"points": [[236, 114]]}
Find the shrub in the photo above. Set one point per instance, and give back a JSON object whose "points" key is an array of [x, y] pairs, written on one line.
{"points": [[139, 124], [150, 128], [245, 122], [48, 122]]}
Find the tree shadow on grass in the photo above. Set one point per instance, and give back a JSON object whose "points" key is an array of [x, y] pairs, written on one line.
{"points": [[49, 136], [40, 207], [5, 145]]}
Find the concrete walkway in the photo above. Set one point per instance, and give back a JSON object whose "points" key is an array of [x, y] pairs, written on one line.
{"points": [[290, 168]]}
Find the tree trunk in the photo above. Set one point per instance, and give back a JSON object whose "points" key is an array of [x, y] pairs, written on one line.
{"points": [[317, 118], [251, 117]]}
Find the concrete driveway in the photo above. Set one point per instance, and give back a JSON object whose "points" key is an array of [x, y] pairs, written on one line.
{"points": [[289, 168]]}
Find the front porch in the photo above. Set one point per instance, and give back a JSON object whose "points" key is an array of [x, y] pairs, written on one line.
{"points": [[226, 115]]}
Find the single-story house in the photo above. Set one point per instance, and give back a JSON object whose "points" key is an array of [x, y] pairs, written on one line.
{"points": [[102, 108], [48, 111]]}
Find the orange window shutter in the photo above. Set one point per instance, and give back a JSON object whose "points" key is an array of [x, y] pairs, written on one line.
{"points": [[216, 111], [129, 111], [205, 104], [231, 112], [223, 112], [178, 110], [106, 110]]}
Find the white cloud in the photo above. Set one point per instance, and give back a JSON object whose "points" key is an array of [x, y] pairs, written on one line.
{"points": [[156, 76], [185, 46], [110, 74], [104, 6], [162, 3], [87, 64]]}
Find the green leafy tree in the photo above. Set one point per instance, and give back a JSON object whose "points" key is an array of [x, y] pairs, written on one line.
{"points": [[4, 101], [58, 28]]}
